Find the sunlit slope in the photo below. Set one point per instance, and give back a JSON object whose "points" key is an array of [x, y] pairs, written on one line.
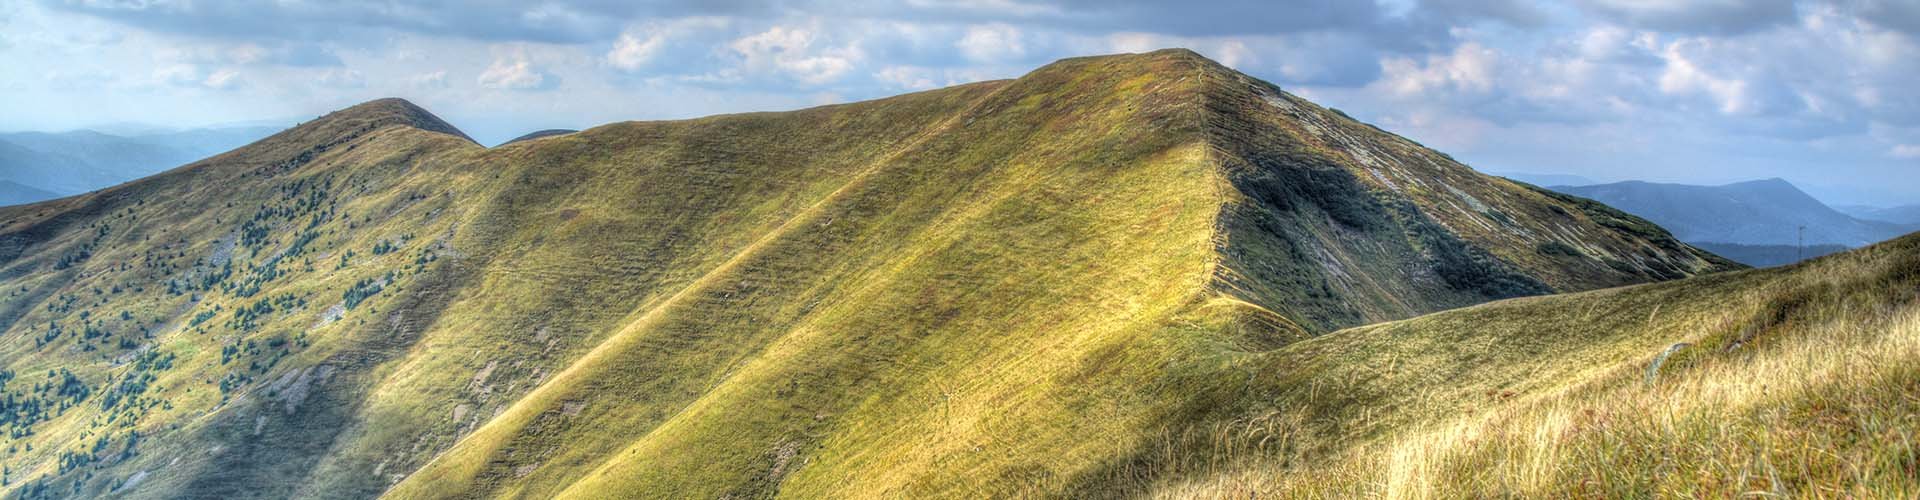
{"points": [[983, 261], [413, 284], [1795, 381], [1018, 302], [589, 228]]}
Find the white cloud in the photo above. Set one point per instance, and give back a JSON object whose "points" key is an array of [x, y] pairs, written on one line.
{"points": [[1134, 42], [635, 49], [222, 79], [342, 78], [246, 53], [432, 80], [792, 51], [907, 77], [1683, 76], [1905, 151], [516, 73], [177, 74], [991, 43], [1234, 54], [1469, 68], [190, 75]]}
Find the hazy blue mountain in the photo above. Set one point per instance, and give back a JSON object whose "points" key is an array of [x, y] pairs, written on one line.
{"points": [[1768, 255], [1763, 212], [14, 193], [540, 134], [1905, 214], [1539, 179], [68, 163]]}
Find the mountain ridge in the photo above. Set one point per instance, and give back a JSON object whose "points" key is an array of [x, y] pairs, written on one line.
{"points": [[949, 291], [539, 134]]}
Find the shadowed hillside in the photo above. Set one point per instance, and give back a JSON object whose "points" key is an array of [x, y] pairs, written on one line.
{"points": [[1009, 287]]}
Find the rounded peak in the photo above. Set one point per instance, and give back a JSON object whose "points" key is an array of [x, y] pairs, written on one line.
{"points": [[1167, 54], [539, 134], [1775, 182], [1163, 61], [1181, 52], [394, 111]]}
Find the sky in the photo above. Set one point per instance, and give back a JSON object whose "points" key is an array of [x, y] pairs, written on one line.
{"points": [[1819, 92]]}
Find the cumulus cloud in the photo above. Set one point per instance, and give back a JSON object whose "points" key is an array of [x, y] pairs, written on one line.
{"points": [[428, 81], [1469, 68], [793, 52], [991, 43], [341, 78], [1684, 76], [907, 77], [634, 50], [193, 76], [222, 79], [516, 73]]}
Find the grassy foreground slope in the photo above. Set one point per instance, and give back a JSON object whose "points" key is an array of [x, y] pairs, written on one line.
{"points": [[1022, 300], [1033, 286], [1801, 381]]}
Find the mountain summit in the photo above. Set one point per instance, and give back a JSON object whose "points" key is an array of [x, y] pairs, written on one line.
{"points": [[370, 115], [1002, 288]]}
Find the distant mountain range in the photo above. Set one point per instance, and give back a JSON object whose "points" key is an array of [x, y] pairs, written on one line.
{"points": [[1542, 179], [541, 134], [1763, 212], [1768, 255], [1904, 214], [14, 193], [44, 165]]}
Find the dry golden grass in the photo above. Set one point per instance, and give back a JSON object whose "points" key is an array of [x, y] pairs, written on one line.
{"points": [[1818, 397]]}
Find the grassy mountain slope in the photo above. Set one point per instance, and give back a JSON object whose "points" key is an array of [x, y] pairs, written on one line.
{"points": [[1019, 286], [1793, 381], [1017, 316]]}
